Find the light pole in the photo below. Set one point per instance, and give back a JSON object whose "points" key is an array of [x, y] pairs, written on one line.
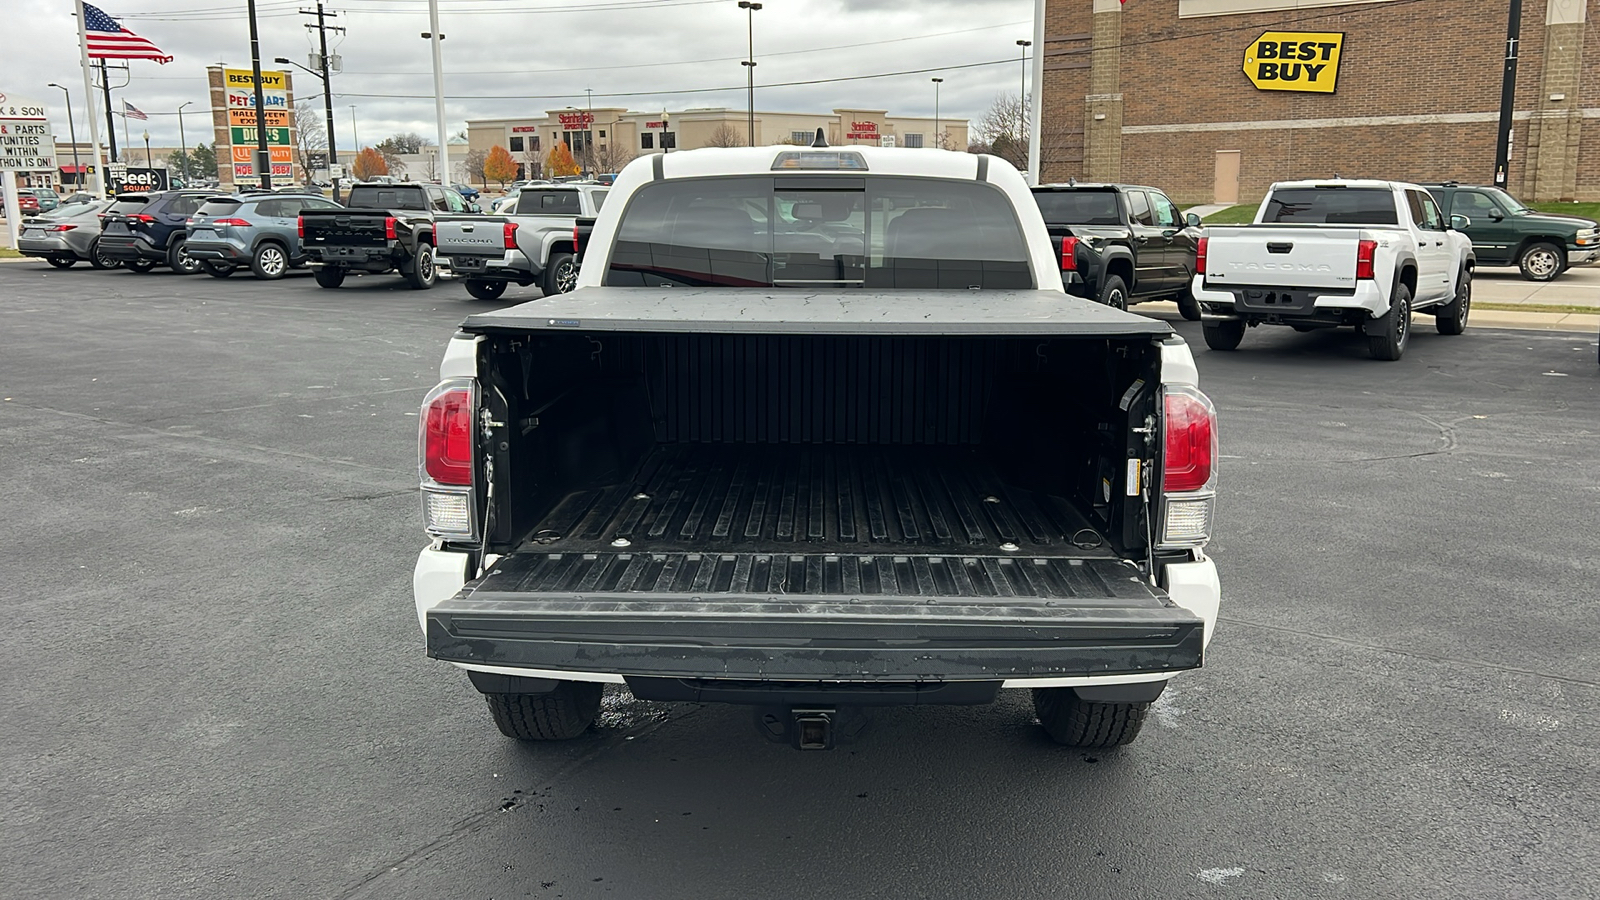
{"points": [[1022, 101], [434, 37], [183, 145], [1508, 98], [663, 132], [353, 133], [72, 130], [938, 136], [327, 97], [750, 63], [263, 155], [147, 163]]}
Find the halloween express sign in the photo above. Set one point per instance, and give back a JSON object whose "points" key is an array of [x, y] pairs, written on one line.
{"points": [[1306, 61]]}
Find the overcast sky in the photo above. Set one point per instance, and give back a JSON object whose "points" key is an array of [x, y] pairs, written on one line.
{"points": [[522, 57]]}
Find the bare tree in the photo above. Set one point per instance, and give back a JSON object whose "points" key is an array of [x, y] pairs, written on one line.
{"points": [[1003, 130], [475, 166], [612, 157], [309, 138], [532, 161], [725, 135]]}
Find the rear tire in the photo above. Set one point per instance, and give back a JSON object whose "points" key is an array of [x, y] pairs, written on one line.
{"points": [[560, 715], [485, 290], [1451, 318], [1391, 344], [1542, 261], [561, 275], [216, 269], [100, 260], [1224, 335], [1080, 723], [60, 263], [179, 260], [329, 276], [1114, 293], [420, 272], [270, 261], [139, 265]]}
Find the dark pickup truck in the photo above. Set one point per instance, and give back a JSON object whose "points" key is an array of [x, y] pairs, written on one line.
{"points": [[385, 227], [1122, 243], [818, 430]]}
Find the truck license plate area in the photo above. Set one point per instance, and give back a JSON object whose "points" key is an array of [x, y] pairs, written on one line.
{"points": [[1275, 301], [469, 263]]}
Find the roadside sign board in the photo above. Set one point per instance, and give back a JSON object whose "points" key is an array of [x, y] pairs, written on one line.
{"points": [[1305, 61], [132, 179], [336, 171], [27, 140], [240, 100]]}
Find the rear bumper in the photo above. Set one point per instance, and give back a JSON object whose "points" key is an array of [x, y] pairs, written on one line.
{"points": [[350, 256], [513, 265], [217, 250], [130, 248], [45, 247], [846, 639], [1226, 304]]}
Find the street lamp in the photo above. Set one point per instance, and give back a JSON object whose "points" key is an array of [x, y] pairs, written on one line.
{"points": [[327, 101], [183, 145], [938, 136], [1022, 101], [72, 130], [435, 37], [663, 132], [750, 63]]}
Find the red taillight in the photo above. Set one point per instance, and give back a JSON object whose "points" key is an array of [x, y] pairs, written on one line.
{"points": [[447, 436], [300, 226], [143, 217], [388, 228], [1069, 254], [510, 233], [1366, 252], [574, 239], [1191, 438], [62, 227], [1200, 256], [242, 223]]}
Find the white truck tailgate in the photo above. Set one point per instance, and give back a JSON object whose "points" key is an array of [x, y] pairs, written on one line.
{"points": [[1284, 257]]}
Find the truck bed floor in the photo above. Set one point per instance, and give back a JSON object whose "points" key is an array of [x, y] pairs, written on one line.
{"points": [[845, 520]]}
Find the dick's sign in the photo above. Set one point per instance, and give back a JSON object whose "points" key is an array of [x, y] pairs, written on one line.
{"points": [[1305, 61]]}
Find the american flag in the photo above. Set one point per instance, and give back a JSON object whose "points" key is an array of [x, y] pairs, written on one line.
{"points": [[108, 40], [133, 112]]}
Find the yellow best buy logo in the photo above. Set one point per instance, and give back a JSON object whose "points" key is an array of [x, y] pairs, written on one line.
{"points": [[1295, 61]]}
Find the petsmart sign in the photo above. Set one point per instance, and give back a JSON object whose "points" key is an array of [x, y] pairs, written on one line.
{"points": [[1306, 61]]}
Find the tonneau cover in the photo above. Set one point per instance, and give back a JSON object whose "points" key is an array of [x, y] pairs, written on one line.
{"points": [[797, 311]]}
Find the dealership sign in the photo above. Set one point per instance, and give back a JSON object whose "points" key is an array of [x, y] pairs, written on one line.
{"points": [[27, 141], [1306, 61]]}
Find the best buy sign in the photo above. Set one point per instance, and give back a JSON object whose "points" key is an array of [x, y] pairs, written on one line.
{"points": [[1295, 61]]}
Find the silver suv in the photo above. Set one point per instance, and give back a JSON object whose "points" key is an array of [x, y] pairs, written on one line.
{"points": [[255, 229]]}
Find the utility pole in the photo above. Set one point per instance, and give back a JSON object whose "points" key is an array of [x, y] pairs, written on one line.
{"points": [[750, 63], [263, 155], [323, 28], [1508, 97], [1022, 102]]}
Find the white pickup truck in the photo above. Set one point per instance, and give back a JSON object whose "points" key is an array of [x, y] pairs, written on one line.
{"points": [[528, 241], [1321, 254], [818, 430]]}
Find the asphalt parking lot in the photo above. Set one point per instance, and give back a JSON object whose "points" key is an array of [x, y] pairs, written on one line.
{"points": [[215, 685]]}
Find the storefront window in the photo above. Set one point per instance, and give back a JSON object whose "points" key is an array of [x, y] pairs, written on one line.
{"points": [[647, 141], [912, 140], [516, 145]]}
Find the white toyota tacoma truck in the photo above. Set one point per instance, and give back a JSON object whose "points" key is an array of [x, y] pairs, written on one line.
{"points": [[1322, 254], [819, 430]]}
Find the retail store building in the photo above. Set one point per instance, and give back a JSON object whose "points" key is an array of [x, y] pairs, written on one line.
{"points": [[604, 138], [1213, 100]]}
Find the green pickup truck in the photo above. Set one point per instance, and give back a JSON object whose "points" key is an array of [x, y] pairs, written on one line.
{"points": [[1504, 232]]}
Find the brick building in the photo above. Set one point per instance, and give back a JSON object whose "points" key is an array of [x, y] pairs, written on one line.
{"points": [[1156, 92]]}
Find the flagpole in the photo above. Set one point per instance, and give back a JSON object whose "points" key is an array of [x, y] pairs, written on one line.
{"points": [[1036, 120], [96, 187]]}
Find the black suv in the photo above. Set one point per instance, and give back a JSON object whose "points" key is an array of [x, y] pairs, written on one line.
{"points": [[146, 230], [1122, 243], [1504, 232]]}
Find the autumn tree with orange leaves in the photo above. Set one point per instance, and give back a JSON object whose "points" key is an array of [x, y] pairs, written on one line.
{"points": [[500, 166], [561, 161], [369, 163]]}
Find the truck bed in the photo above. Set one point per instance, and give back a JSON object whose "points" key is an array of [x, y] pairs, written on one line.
{"points": [[816, 520]]}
